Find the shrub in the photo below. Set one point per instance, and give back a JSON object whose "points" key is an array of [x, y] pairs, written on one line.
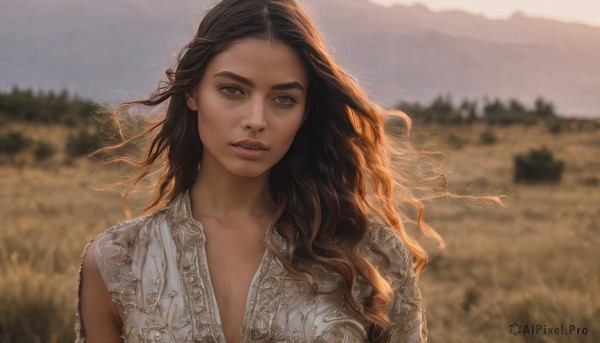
{"points": [[589, 181], [455, 141], [555, 127], [488, 137], [43, 150], [537, 166], [12, 142], [82, 143], [471, 298]]}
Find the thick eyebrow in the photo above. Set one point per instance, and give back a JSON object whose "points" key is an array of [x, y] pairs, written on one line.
{"points": [[249, 83]]}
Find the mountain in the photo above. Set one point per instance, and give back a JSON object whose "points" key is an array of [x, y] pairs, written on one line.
{"points": [[116, 50]]}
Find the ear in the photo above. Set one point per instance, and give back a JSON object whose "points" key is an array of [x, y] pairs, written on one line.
{"points": [[190, 100]]}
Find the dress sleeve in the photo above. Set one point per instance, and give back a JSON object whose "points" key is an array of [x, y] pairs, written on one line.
{"points": [[406, 313], [111, 250]]}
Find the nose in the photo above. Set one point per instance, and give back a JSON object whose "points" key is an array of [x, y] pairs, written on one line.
{"points": [[255, 117]]}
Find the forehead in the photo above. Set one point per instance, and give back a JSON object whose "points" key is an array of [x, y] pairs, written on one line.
{"points": [[261, 60]]}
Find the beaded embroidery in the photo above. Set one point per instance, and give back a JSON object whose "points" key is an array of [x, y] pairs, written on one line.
{"points": [[156, 272]]}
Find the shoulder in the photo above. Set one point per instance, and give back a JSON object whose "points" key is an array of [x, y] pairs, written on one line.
{"points": [[125, 232], [388, 252], [384, 247], [118, 246], [110, 264], [125, 235]]}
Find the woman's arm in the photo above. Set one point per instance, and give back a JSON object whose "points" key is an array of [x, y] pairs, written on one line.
{"points": [[100, 319]]}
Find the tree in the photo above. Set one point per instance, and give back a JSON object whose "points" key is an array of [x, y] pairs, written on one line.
{"points": [[418, 113], [468, 111], [443, 112], [24, 105], [493, 111], [544, 109]]}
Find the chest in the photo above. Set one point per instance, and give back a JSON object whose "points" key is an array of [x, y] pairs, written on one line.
{"points": [[232, 258], [233, 264], [172, 299]]}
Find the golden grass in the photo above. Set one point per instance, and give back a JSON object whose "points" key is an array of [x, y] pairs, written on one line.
{"points": [[534, 262], [46, 214]]}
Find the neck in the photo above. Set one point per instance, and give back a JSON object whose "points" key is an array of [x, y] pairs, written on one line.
{"points": [[223, 195]]}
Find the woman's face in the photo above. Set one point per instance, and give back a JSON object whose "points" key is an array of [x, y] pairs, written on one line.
{"points": [[250, 105]]}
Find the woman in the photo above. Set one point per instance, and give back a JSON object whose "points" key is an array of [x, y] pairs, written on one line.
{"points": [[280, 222]]}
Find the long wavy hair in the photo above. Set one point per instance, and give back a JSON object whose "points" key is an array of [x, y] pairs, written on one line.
{"points": [[341, 173]]}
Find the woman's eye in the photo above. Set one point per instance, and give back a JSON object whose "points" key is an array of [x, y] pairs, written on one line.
{"points": [[285, 100], [230, 90]]}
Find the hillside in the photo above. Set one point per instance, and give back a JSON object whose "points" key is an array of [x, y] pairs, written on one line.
{"points": [[117, 50]]}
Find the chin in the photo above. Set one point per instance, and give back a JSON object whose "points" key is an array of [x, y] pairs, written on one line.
{"points": [[249, 171]]}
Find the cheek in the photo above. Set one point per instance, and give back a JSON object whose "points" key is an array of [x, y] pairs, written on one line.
{"points": [[288, 130], [297, 123], [212, 117]]}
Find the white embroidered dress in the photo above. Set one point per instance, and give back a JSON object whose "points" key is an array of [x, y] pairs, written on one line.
{"points": [[156, 271]]}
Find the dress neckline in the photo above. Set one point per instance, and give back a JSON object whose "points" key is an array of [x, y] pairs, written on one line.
{"points": [[186, 209]]}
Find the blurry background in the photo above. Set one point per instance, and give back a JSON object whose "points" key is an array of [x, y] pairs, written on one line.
{"points": [[509, 92], [114, 50]]}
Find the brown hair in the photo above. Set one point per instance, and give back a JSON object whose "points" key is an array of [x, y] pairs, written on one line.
{"points": [[341, 172]]}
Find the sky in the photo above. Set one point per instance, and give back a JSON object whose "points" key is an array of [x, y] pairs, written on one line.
{"points": [[582, 11]]}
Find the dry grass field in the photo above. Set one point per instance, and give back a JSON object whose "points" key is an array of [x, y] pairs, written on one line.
{"points": [[534, 262]]}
